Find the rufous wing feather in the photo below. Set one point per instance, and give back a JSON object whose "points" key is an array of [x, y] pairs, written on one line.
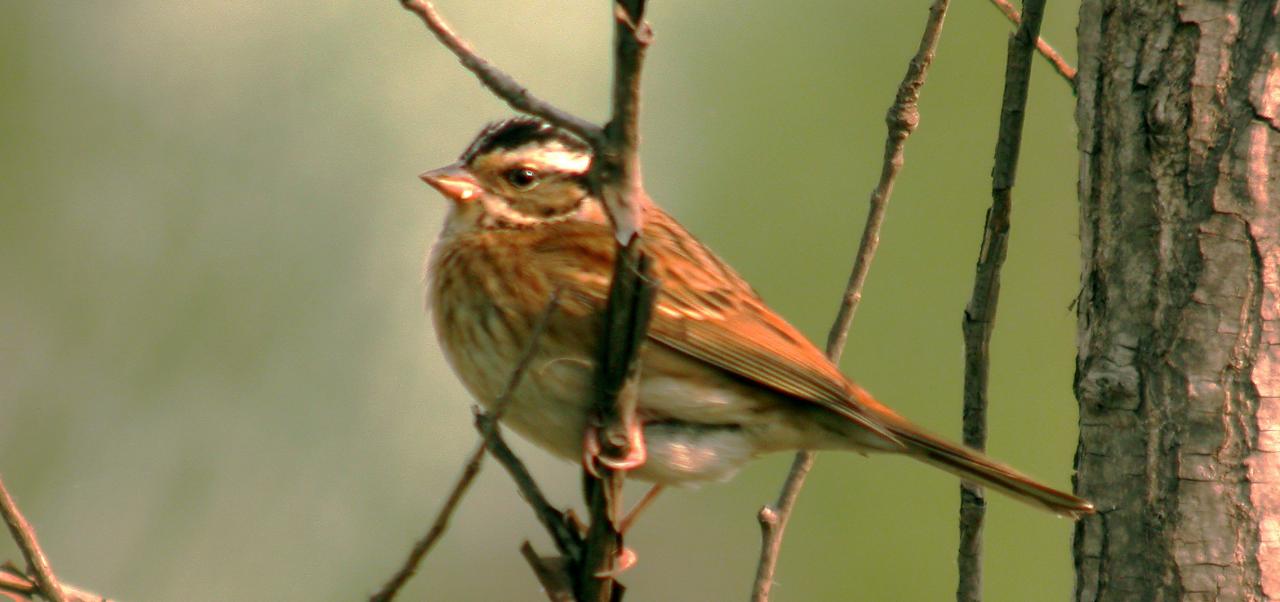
{"points": [[707, 312]]}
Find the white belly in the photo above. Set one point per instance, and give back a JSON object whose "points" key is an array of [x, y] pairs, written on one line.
{"points": [[692, 433]]}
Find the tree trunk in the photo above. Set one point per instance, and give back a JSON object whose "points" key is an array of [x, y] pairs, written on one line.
{"points": [[1178, 375]]}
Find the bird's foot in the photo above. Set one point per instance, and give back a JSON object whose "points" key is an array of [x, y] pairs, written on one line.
{"points": [[591, 452], [625, 559]]}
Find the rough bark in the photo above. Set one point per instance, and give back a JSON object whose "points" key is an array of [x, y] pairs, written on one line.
{"points": [[1178, 374]]}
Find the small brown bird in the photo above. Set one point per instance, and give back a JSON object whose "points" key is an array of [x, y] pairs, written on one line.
{"points": [[724, 379]]}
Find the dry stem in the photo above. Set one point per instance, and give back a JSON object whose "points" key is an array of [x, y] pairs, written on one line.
{"points": [[980, 313], [902, 118], [499, 82], [564, 532], [25, 536], [15, 586], [615, 174]]}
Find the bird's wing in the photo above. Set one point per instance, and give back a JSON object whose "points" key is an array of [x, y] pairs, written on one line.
{"points": [[708, 312]]}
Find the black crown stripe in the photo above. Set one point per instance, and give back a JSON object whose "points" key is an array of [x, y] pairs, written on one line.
{"points": [[516, 132]]}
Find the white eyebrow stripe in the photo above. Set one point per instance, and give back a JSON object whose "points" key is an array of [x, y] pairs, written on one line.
{"points": [[555, 156], [564, 161]]}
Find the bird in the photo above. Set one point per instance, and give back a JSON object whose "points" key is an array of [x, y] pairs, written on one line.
{"points": [[724, 379]]}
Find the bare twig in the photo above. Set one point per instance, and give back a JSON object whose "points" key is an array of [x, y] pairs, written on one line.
{"points": [[1059, 64], [562, 530], [626, 320], [616, 176], [472, 467], [502, 85], [15, 586], [902, 118], [773, 525], [618, 160], [25, 536], [980, 313]]}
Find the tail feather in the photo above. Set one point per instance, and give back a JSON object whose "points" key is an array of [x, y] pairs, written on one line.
{"points": [[973, 466]]}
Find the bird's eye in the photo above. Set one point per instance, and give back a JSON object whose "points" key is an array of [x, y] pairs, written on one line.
{"points": [[523, 178]]}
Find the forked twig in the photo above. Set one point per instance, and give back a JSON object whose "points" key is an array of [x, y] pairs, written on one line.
{"points": [[17, 586], [25, 536], [472, 466], [615, 175], [902, 118], [1059, 64], [980, 313]]}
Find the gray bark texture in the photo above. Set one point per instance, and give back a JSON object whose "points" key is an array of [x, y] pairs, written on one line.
{"points": [[1178, 373]]}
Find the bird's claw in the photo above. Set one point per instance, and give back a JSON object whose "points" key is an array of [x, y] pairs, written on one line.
{"points": [[625, 559], [591, 452]]}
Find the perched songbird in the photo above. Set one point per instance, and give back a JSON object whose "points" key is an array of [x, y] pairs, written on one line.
{"points": [[724, 379]]}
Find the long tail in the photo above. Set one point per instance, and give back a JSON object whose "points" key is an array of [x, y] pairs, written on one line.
{"points": [[974, 466], [966, 463]]}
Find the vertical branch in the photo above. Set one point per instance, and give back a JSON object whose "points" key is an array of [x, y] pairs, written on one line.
{"points": [[980, 313], [616, 175], [25, 536], [901, 120], [626, 321], [618, 160]]}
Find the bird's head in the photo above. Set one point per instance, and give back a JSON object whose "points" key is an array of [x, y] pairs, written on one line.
{"points": [[521, 172]]}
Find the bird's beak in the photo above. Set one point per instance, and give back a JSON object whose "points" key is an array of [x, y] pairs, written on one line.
{"points": [[453, 181]]}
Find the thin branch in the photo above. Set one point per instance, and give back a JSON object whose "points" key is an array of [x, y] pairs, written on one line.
{"points": [[902, 118], [25, 536], [472, 467], [616, 175], [980, 313], [619, 160], [499, 82], [626, 321], [566, 537], [1059, 64], [428, 541], [773, 525], [18, 587]]}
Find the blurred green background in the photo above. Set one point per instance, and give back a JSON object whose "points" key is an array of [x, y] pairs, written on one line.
{"points": [[217, 380]]}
